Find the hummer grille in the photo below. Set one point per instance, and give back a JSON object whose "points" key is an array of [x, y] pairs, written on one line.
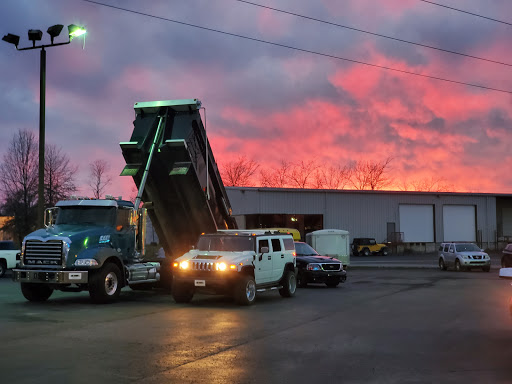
{"points": [[43, 254], [203, 266]]}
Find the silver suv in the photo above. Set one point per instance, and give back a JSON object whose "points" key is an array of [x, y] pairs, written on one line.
{"points": [[462, 256]]}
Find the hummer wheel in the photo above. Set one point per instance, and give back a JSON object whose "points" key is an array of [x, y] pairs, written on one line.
{"points": [[245, 290], [289, 284], [182, 293]]}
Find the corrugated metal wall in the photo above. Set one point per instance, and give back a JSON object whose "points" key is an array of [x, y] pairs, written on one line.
{"points": [[362, 213]]}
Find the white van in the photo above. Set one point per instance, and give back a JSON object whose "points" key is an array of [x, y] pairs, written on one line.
{"points": [[331, 242]]}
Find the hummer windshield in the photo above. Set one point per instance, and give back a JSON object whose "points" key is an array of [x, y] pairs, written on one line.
{"points": [[226, 243], [102, 216]]}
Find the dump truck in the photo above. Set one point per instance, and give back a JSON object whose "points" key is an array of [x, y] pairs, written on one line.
{"points": [[98, 245]]}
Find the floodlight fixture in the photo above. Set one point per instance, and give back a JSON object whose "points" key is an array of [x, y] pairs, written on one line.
{"points": [[35, 35], [54, 31], [12, 39], [75, 31]]}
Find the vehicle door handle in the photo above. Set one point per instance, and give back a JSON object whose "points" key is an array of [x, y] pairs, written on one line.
{"points": [[282, 256], [269, 257]]}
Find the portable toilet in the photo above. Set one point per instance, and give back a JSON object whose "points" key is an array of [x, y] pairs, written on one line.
{"points": [[331, 242]]}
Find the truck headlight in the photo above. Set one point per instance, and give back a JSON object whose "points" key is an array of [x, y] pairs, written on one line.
{"points": [[86, 262], [314, 267]]}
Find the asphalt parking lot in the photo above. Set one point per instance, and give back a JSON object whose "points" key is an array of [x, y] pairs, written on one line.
{"points": [[384, 325]]}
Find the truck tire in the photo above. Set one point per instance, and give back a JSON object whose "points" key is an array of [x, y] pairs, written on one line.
{"points": [[3, 267], [36, 292], [245, 290], [384, 251], [366, 252], [105, 284], [182, 293], [289, 283]]}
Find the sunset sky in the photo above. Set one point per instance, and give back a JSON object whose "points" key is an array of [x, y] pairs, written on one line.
{"points": [[269, 102]]}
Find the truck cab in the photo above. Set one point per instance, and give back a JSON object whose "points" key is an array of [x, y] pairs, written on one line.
{"points": [[87, 244]]}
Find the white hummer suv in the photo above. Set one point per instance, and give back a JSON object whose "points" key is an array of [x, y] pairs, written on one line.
{"points": [[236, 263]]}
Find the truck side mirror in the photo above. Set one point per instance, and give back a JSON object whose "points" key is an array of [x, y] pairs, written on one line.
{"points": [[50, 215]]}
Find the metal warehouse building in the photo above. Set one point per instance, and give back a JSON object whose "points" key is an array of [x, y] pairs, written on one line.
{"points": [[413, 220]]}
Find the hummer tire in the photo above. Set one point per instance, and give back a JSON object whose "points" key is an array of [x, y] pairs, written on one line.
{"points": [[289, 283], [245, 290], [182, 293]]}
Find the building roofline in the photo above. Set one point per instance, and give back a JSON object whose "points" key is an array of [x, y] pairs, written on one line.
{"points": [[357, 191]]}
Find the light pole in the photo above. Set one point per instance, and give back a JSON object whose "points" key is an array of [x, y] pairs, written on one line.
{"points": [[36, 35]]}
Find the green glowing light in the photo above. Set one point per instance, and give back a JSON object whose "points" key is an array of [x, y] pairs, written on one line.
{"points": [[86, 241], [75, 31]]}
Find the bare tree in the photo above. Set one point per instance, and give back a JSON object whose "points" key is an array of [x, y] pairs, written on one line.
{"points": [[427, 184], [332, 177], [302, 173], [371, 175], [18, 183], [59, 175], [277, 177], [239, 172], [99, 178]]}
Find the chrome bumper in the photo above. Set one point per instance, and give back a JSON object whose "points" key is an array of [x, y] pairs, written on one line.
{"points": [[53, 277]]}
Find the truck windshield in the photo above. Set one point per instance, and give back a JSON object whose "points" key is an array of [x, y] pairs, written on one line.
{"points": [[102, 216], [225, 243]]}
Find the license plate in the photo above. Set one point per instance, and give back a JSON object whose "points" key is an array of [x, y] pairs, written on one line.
{"points": [[200, 283], [75, 276]]}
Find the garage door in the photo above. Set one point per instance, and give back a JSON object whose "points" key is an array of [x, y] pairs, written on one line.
{"points": [[459, 222], [417, 223]]}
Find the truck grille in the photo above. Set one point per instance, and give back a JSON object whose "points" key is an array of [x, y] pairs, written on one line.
{"points": [[43, 254], [331, 267], [203, 266]]}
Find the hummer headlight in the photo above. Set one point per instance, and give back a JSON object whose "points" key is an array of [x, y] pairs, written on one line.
{"points": [[184, 265], [221, 266]]}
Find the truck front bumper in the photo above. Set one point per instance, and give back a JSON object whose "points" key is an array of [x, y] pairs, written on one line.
{"points": [[50, 277]]}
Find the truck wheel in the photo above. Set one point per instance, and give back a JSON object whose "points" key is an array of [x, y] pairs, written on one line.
{"points": [[182, 293], [245, 290], [3, 267], [36, 292], [458, 267], [366, 252], [105, 284], [442, 265], [289, 284], [385, 251]]}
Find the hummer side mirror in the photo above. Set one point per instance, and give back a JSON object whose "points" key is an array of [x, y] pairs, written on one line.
{"points": [[262, 251]]}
